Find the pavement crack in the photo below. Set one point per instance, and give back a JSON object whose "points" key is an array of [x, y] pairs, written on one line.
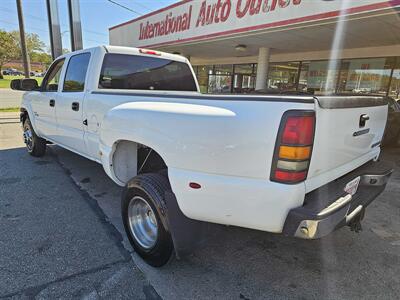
{"points": [[32, 292]]}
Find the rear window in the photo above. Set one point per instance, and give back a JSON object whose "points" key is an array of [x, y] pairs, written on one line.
{"points": [[134, 72]]}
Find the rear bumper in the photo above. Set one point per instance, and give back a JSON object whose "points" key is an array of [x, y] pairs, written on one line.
{"points": [[329, 207]]}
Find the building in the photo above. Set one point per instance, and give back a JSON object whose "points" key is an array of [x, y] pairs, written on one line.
{"points": [[19, 65], [312, 46]]}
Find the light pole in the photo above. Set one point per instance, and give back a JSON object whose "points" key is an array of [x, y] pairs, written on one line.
{"points": [[24, 50], [54, 28], [75, 25]]}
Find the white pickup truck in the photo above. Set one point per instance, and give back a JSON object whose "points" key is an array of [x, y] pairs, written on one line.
{"points": [[301, 166]]}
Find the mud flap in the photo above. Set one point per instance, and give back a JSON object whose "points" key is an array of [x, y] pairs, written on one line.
{"points": [[187, 234]]}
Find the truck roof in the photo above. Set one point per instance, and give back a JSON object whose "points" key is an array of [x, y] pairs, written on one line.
{"points": [[133, 51], [141, 51]]}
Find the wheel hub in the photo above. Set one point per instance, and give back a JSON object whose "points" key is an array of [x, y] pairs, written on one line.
{"points": [[142, 222], [28, 138]]}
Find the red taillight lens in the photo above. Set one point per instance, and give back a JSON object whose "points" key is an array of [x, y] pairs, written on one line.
{"points": [[299, 130], [290, 177], [293, 147]]}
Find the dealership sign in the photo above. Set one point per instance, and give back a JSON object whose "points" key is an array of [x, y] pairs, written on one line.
{"points": [[196, 20]]}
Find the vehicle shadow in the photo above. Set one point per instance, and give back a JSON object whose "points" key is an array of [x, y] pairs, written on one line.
{"points": [[249, 264]]}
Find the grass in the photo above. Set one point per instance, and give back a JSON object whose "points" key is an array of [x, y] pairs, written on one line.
{"points": [[5, 83], [10, 109]]}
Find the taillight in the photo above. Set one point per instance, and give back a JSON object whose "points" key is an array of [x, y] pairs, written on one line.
{"points": [[293, 147], [149, 52]]}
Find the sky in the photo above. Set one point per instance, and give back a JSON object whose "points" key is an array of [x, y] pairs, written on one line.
{"points": [[96, 16]]}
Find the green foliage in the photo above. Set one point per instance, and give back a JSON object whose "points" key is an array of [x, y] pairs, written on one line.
{"points": [[10, 109], [41, 57], [33, 42], [8, 47]]}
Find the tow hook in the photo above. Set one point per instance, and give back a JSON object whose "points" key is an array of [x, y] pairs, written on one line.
{"points": [[355, 223]]}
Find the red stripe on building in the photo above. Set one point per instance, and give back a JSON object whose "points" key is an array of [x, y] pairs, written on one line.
{"points": [[316, 17]]}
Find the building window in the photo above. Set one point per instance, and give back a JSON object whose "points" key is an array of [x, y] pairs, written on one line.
{"points": [[318, 77], [394, 90], [365, 76], [220, 82], [223, 69], [202, 77], [283, 76], [244, 78]]}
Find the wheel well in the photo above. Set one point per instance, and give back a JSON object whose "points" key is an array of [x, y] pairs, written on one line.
{"points": [[130, 159], [23, 115]]}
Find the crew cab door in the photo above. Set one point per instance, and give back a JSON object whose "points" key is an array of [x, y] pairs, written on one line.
{"points": [[69, 111], [44, 102]]}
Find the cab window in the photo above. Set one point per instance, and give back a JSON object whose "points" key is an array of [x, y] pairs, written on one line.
{"points": [[76, 73], [133, 72], [52, 79]]}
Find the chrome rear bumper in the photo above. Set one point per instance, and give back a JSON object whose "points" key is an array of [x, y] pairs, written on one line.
{"points": [[329, 207]]}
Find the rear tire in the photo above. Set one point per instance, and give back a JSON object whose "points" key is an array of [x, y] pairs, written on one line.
{"points": [[143, 213], [35, 145]]}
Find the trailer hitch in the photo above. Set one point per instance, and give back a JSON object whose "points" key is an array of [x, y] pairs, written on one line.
{"points": [[355, 222]]}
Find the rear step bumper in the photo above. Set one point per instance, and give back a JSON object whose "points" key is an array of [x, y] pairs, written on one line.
{"points": [[330, 207]]}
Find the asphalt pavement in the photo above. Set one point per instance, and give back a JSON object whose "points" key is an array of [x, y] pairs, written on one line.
{"points": [[10, 98], [55, 242], [61, 236]]}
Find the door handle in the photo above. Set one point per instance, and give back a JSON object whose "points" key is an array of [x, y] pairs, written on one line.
{"points": [[363, 120], [52, 102], [75, 106]]}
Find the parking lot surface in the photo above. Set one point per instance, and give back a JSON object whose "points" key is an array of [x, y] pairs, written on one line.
{"points": [[10, 98], [61, 235], [54, 240]]}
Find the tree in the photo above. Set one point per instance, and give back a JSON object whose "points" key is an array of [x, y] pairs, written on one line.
{"points": [[9, 48], [42, 57], [33, 43]]}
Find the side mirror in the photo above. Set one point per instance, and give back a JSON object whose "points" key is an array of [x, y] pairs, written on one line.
{"points": [[15, 84], [26, 84], [29, 84]]}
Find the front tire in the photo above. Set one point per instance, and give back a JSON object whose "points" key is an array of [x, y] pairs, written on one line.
{"points": [[35, 145], [143, 213]]}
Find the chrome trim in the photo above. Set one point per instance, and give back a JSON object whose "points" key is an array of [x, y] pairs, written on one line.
{"points": [[336, 212], [375, 180], [307, 229], [361, 132], [28, 138], [338, 204], [355, 212], [142, 222]]}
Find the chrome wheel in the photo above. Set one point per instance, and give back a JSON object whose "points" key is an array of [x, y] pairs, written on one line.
{"points": [[28, 138], [142, 222]]}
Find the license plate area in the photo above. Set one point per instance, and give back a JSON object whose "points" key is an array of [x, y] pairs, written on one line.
{"points": [[352, 186]]}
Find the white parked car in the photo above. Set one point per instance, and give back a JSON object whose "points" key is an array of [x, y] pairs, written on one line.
{"points": [[301, 166]]}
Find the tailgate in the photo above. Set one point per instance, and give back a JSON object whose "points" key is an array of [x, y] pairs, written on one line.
{"points": [[348, 133]]}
